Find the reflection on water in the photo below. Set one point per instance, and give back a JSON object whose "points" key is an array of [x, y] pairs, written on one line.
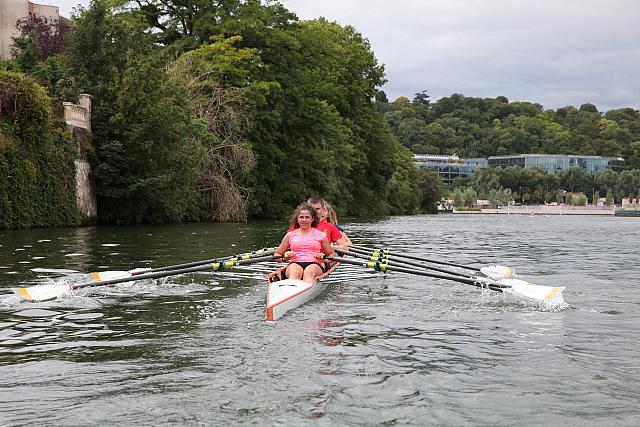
{"points": [[394, 349]]}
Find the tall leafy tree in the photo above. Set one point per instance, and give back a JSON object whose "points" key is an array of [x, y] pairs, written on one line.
{"points": [[219, 96], [575, 179], [145, 166], [433, 190]]}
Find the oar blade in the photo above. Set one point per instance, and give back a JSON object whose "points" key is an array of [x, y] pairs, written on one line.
{"points": [[42, 292], [550, 294], [100, 276], [498, 272]]}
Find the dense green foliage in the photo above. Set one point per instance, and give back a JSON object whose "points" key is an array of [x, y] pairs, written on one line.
{"points": [[145, 167], [482, 127], [37, 172], [476, 127], [433, 190], [318, 131], [223, 110]]}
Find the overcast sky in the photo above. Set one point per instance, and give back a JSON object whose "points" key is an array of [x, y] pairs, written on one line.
{"points": [[553, 52]]}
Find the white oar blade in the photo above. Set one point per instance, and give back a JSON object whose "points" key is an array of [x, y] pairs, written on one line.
{"points": [[42, 293], [138, 270], [498, 272], [536, 292], [100, 276]]}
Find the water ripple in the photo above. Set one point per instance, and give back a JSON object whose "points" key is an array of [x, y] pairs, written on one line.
{"points": [[390, 350]]}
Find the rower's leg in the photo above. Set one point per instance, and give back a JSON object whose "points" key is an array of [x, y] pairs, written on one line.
{"points": [[294, 271], [311, 272]]}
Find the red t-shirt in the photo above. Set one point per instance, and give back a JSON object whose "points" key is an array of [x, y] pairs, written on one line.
{"points": [[332, 232]]}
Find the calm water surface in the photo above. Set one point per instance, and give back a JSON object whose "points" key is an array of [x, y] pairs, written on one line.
{"points": [[394, 350]]}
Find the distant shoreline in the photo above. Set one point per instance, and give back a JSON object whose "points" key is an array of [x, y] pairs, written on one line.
{"points": [[544, 210]]}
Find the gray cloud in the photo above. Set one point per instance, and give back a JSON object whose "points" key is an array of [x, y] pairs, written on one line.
{"points": [[553, 52]]}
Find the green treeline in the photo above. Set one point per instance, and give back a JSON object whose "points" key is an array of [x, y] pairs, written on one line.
{"points": [[37, 172], [482, 127], [225, 110], [533, 186], [221, 111]]}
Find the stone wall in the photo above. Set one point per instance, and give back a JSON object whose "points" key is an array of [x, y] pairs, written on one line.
{"points": [[85, 194], [78, 117]]}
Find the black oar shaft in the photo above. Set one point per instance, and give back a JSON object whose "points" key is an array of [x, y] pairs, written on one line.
{"points": [[385, 267], [402, 255], [217, 266], [386, 260], [248, 255]]}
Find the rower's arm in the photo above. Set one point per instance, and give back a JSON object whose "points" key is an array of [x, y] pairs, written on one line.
{"points": [[342, 243], [327, 249], [284, 246], [347, 240]]}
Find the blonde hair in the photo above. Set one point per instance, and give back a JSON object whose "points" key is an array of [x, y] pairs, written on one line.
{"points": [[331, 213]]}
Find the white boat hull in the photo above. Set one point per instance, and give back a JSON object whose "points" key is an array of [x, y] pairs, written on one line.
{"points": [[285, 295]]}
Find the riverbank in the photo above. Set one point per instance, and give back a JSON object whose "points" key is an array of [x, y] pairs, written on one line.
{"points": [[546, 210]]}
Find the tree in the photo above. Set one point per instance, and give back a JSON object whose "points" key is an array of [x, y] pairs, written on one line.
{"points": [[49, 36], [469, 197], [145, 165], [575, 179], [25, 52], [37, 171], [322, 110], [405, 185], [421, 98], [606, 180], [609, 198], [588, 107], [433, 189], [627, 184], [580, 200], [215, 78], [486, 180], [500, 197], [413, 134], [458, 197]]}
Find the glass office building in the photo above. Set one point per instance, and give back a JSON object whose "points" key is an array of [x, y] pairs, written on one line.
{"points": [[552, 163], [449, 167]]}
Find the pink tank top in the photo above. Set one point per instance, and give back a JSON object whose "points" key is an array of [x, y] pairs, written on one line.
{"points": [[306, 245]]}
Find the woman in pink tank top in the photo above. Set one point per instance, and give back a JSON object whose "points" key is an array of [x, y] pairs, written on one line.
{"points": [[306, 244]]}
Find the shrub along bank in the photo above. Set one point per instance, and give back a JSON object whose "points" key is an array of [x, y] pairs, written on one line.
{"points": [[37, 172]]}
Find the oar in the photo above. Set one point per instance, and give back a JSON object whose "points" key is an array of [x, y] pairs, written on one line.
{"points": [[386, 260], [520, 287], [47, 292], [479, 282], [247, 255], [493, 271], [111, 275], [537, 292]]}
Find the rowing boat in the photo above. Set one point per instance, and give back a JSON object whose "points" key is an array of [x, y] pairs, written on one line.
{"points": [[286, 294]]}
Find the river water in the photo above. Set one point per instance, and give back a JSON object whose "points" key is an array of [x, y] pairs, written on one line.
{"points": [[389, 350]]}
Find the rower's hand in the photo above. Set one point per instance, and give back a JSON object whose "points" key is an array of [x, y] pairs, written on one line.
{"points": [[289, 254], [320, 255]]}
